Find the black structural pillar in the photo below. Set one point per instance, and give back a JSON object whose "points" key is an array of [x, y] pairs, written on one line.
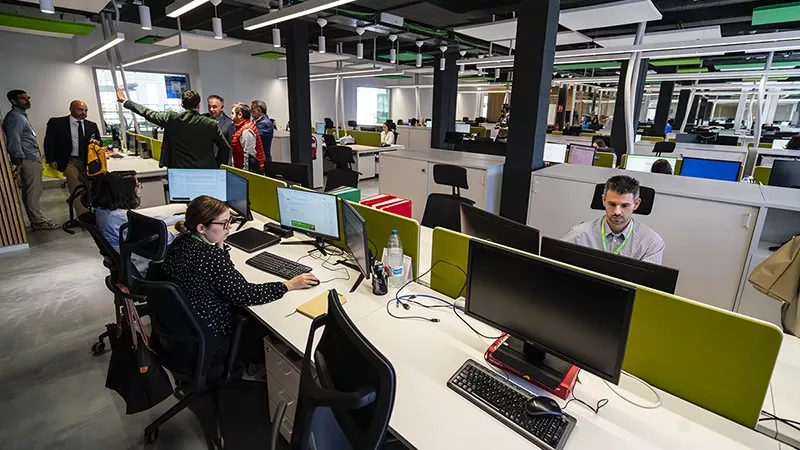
{"points": [[683, 103], [537, 27], [618, 141], [701, 111], [663, 105], [445, 92], [693, 111], [561, 107], [297, 71]]}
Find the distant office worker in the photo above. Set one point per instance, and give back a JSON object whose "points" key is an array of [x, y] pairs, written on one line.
{"points": [[189, 138], [266, 129], [616, 231], [668, 130], [66, 145], [661, 166], [248, 151], [387, 134], [25, 157]]}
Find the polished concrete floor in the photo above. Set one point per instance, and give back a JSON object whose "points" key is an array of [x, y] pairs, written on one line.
{"points": [[53, 304]]}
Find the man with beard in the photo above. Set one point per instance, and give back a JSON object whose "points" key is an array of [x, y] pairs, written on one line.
{"points": [[616, 231]]}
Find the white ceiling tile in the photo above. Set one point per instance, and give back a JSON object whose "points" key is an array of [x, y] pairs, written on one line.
{"points": [[609, 14], [686, 34], [198, 42]]}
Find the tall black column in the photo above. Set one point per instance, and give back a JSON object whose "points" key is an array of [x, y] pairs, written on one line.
{"points": [[701, 111], [707, 113], [445, 92], [692, 120], [618, 140], [297, 71], [537, 27], [683, 103], [561, 107], [594, 102], [662, 108]]}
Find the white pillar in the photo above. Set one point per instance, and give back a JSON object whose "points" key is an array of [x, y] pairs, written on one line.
{"points": [[741, 109], [771, 108]]}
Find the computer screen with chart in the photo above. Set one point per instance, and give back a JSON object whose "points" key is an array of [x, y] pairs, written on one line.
{"points": [[309, 212], [187, 184]]}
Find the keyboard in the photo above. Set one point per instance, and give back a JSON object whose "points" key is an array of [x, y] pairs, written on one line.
{"points": [[506, 401], [275, 265]]}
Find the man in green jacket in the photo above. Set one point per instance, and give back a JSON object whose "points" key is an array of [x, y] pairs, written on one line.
{"points": [[189, 137]]}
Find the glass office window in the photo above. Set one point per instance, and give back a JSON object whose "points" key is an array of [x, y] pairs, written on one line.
{"points": [[372, 105], [160, 91]]}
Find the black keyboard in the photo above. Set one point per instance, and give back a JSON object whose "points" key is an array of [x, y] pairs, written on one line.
{"points": [[506, 402], [274, 264]]}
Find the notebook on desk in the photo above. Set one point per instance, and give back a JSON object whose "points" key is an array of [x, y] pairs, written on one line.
{"points": [[318, 305]]}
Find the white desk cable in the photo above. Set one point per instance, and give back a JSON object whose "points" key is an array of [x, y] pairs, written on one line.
{"points": [[650, 406]]}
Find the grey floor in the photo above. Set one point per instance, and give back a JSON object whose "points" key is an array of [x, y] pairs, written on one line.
{"points": [[53, 304]]}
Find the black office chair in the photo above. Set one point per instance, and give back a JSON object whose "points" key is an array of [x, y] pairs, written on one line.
{"points": [[347, 405], [342, 174], [444, 210], [330, 141], [452, 138], [663, 147], [647, 194], [186, 346], [352, 124], [329, 123]]}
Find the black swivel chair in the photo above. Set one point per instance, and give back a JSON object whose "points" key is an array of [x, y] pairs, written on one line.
{"points": [[342, 174], [347, 405], [330, 141], [444, 210], [647, 194], [329, 123], [663, 147]]}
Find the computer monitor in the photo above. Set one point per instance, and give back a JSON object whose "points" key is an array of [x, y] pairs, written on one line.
{"points": [[581, 154], [643, 163], [187, 184], [785, 174], [555, 153], [238, 197], [462, 128], [290, 172], [648, 274], [319, 128], [491, 227], [712, 169], [780, 143], [355, 239], [429, 124], [557, 315], [313, 213]]}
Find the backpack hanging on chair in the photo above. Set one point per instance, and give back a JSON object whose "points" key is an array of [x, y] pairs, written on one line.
{"points": [[96, 160]]}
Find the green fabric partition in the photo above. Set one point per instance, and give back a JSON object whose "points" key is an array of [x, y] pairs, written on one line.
{"points": [[480, 131], [762, 174], [604, 159], [716, 359], [380, 225], [370, 138], [677, 169], [263, 192], [155, 147], [624, 162], [652, 139]]}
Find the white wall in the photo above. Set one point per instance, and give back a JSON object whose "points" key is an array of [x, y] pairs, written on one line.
{"points": [[469, 105]]}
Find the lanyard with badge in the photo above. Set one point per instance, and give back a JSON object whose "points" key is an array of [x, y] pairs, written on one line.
{"points": [[624, 241]]}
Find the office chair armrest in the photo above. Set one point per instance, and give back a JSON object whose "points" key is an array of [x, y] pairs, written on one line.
{"points": [[350, 400], [233, 351], [280, 411]]}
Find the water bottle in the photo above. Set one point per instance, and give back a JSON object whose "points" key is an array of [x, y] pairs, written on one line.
{"points": [[394, 259]]}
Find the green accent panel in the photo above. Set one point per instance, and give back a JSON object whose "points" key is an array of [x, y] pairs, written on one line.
{"points": [[604, 159], [768, 79], [405, 57], [393, 76], [652, 139], [762, 174], [765, 15], [371, 138], [624, 162], [149, 39], [380, 225], [263, 192], [594, 65], [451, 247], [476, 78], [269, 55], [693, 70], [678, 165], [50, 25], [676, 62], [155, 146]]}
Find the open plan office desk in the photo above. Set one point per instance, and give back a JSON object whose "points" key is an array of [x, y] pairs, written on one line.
{"points": [[367, 159], [427, 415], [148, 173]]}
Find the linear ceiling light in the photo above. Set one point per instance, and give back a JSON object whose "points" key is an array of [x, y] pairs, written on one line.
{"points": [[356, 76], [176, 9], [343, 73], [159, 54], [114, 40], [292, 12]]}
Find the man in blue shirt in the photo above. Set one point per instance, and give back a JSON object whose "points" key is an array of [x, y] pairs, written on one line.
{"points": [[25, 157], [266, 130], [668, 130]]}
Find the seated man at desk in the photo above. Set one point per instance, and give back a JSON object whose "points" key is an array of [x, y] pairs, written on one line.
{"points": [[616, 231]]}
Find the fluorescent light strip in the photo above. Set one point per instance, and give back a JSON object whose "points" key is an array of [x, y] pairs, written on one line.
{"points": [[101, 48], [292, 12], [369, 75], [160, 54], [345, 74], [176, 9]]}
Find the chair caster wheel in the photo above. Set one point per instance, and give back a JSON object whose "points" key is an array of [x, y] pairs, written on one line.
{"points": [[152, 436], [219, 443], [98, 348]]}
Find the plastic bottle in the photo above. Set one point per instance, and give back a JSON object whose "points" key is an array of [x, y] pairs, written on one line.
{"points": [[394, 259]]}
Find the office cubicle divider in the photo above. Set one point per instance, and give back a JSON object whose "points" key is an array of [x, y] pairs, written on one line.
{"points": [[380, 225], [370, 138], [716, 359], [762, 174], [604, 159], [263, 192]]}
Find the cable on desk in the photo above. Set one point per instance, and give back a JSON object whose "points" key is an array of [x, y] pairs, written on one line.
{"points": [[406, 306], [399, 300], [652, 406], [376, 249], [788, 422], [595, 409], [326, 260]]}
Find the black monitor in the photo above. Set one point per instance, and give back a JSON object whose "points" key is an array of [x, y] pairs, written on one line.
{"points": [[491, 227], [187, 184], [557, 316], [648, 274], [686, 138], [355, 239], [785, 173], [238, 197], [289, 172], [313, 213]]}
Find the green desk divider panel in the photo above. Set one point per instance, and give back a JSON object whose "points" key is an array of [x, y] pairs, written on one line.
{"points": [[652, 139], [155, 147], [371, 138], [677, 169], [452, 247], [263, 192], [671, 139], [764, 145], [380, 225], [480, 131], [557, 132], [762, 174], [624, 162], [604, 159]]}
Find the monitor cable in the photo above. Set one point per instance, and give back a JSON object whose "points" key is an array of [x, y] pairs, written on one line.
{"points": [[788, 422], [650, 406]]}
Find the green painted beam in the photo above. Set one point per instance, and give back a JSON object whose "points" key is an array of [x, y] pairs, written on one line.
{"points": [[768, 79], [594, 65], [693, 70], [766, 15], [405, 57], [676, 62], [49, 25]]}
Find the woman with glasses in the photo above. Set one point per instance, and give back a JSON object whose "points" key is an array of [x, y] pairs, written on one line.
{"points": [[199, 263]]}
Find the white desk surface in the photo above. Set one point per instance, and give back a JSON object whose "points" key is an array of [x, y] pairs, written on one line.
{"points": [[779, 152], [143, 167], [471, 160], [428, 415], [370, 149], [785, 389]]}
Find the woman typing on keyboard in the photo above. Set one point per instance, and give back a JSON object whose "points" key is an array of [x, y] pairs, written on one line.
{"points": [[199, 263]]}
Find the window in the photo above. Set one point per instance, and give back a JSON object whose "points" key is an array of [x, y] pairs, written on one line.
{"points": [[372, 105], [160, 91]]}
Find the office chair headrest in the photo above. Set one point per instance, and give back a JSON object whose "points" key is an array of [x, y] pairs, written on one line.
{"points": [[450, 175], [648, 196]]}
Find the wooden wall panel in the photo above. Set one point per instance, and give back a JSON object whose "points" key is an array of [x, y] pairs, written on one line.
{"points": [[12, 224]]}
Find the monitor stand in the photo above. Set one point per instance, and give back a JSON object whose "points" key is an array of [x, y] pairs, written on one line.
{"points": [[240, 220], [354, 267], [317, 243], [524, 356]]}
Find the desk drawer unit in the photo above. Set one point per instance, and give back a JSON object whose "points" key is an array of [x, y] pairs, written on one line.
{"points": [[286, 423], [283, 381]]}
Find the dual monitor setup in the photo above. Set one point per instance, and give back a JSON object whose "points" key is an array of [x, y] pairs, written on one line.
{"points": [[578, 154]]}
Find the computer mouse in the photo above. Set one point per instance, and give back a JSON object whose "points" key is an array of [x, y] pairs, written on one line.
{"points": [[542, 406]]}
